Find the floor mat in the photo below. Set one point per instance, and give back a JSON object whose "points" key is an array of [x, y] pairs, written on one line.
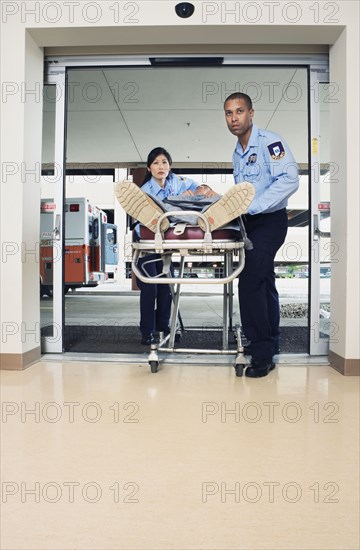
{"points": [[126, 339]]}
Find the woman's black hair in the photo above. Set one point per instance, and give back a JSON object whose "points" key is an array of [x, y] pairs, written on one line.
{"points": [[152, 156]]}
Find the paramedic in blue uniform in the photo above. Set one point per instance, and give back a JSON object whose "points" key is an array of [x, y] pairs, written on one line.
{"points": [[155, 300], [264, 159]]}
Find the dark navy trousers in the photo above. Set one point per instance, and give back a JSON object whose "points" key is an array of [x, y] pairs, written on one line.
{"points": [[258, 296], [155, 300]]}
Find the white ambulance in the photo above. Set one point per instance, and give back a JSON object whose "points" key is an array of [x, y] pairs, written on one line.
{"points": [[90, 245]]}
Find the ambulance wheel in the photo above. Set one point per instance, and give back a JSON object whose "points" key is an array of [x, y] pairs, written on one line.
{"points": [[239, 369], [154, 366]]}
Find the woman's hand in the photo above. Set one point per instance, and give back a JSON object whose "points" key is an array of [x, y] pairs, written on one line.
{"points": [[205, 190]]}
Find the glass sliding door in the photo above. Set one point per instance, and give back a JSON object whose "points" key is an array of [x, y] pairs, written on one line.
{"points": [[51, 214], [323, 251], [116, 113]]}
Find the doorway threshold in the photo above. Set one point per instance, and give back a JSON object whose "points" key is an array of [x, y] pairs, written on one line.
{"points": [[291, 359]]}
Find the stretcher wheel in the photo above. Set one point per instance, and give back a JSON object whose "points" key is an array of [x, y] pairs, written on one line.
{"points": [[154, 366], [239, 369]]}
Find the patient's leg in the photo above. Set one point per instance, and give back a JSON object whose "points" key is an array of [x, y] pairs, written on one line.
{"points": [[140, 205], [231, 205]]}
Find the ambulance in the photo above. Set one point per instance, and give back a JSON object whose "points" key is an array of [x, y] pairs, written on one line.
{"points": [[90, 245]]}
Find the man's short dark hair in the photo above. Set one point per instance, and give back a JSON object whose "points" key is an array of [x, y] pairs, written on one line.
{"points": [[240, 95]]}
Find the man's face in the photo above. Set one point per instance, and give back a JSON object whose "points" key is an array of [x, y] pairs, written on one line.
{"points": [[238, 117]]}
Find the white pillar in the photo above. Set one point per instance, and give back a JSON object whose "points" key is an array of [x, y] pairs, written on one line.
{"points": [[22, 75]]}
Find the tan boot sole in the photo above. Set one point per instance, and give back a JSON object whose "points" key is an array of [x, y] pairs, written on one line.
{"points": [[232, 204], [139, 205]]}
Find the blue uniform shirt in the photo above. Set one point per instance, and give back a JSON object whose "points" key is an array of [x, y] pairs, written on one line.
{"points": [[174, 185], [269, 165]]}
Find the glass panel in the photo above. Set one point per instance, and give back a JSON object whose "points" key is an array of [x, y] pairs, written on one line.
{"points": [[48, 128], [47, 221], [327, 248], [119, 115]]}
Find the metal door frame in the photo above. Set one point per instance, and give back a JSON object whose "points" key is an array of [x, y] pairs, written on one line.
{"points": [[318, 344], [318, 67]]}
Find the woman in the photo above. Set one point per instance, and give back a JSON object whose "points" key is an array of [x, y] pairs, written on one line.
{"points": [[160, 183], [155, 300]]}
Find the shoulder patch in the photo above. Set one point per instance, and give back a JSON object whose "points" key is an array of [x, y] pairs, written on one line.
{"points": [[276, 150]]}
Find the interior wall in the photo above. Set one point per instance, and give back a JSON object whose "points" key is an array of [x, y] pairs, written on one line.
{"points": [[22, 67], [345, 200], [21, 113], [31, 191]]}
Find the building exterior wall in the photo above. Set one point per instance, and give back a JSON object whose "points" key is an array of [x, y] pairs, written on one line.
{"points": [[29, 27]]}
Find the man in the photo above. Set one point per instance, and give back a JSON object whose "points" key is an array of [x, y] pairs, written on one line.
{"points": [[263, 159]]}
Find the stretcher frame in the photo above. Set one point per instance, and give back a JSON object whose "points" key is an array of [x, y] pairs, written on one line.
{"points": [[191, 247]]}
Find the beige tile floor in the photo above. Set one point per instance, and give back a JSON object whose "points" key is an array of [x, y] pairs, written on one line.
{"points": [[110, 456]]}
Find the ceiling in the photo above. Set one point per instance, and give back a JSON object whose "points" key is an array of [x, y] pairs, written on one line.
{"points": [[117, 115]]}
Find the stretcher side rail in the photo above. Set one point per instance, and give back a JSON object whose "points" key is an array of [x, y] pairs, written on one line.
{"points": [[182, 280], [215, 246], [166, 248]]}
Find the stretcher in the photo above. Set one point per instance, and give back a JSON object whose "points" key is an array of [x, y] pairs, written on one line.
{"points": [[188, 241]]}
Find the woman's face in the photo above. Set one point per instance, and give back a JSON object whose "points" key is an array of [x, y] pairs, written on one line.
{"points": [[160, 169]]}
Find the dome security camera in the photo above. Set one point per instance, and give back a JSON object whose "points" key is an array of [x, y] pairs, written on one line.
{"points": [[184, 9]]}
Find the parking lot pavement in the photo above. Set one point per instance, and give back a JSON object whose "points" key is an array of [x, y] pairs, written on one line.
{"points": [[200, 305], [295, 288]]}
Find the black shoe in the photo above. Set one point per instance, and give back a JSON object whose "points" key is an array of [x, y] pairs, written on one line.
{"points": [[148, 339], [259, 369]]}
